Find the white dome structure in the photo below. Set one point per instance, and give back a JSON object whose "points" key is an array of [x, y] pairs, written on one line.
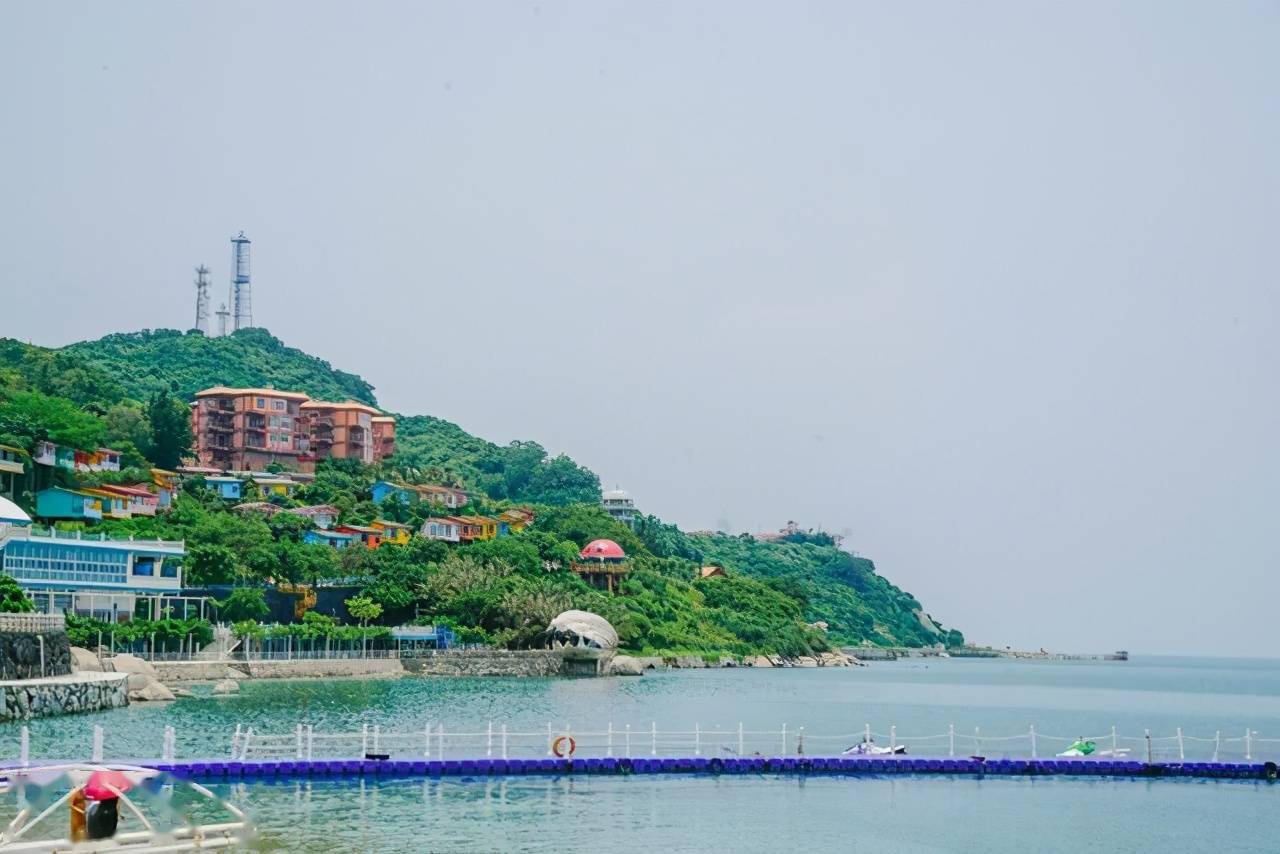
{"points": [[12, 514]]}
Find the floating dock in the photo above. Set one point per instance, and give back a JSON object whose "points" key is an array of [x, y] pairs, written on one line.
{"points": [[783, 765]]}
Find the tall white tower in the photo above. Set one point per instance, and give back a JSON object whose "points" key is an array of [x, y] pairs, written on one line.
{"points": [[223, 314], [202, 299], [241, 290]]}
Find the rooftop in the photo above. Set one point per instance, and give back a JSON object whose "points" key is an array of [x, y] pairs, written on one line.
{"points": [[224, 391]]}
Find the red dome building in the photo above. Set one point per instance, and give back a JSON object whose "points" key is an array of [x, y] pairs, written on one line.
{"points": [[601, 564], [603, 550]]}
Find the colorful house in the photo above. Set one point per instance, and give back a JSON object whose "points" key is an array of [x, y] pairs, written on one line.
{"points": [[333, 539], [114, 505], [410, 494], [141, 501], [166, 487], [269, 485], [475, 528], [230, 488], [49, 454], [321, 515], [58, 502], [393, 532], [371, 537], [103, 459], [516, 519], [445, 529]]}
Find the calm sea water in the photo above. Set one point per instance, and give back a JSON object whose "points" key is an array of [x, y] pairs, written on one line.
{"points": [[916, 697]]}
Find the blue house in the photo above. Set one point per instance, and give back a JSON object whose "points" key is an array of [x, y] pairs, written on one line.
{"points": [[384, 488], [57, 502], [229, 488], [329, 538]]}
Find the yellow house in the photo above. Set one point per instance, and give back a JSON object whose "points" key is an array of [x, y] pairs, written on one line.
{"points": [[113, 506], [516, 519], [392, 532], [282, 486]]}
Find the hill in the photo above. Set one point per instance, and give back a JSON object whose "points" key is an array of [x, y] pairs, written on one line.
{"points": [[114, 390], [146, 362]]}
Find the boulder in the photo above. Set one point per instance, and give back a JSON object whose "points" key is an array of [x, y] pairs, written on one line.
{"points": [[152, 691], [126, 663], [182, 692], [806, 661], [226, 686], [759, 661], [84, 661], [138, 681], [625, 665]]}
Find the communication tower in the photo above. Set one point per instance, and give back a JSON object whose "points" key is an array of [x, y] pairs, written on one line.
{"points": [[202, 299], [241, 290]]}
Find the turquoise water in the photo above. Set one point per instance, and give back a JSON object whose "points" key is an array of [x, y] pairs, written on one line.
{"points": [[917, 697]]}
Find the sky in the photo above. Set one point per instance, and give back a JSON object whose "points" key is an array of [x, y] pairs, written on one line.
{"points": [[989, 288]]}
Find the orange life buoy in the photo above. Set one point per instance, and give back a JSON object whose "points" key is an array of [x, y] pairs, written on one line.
{"points": [[559, 742]]}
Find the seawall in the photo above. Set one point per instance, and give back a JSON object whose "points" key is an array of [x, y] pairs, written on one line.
{"points": [[62, 695], [213, 671], [488, 662]]}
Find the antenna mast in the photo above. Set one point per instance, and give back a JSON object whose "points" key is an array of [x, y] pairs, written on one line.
{"points": [[241, 289], [202, 299]]}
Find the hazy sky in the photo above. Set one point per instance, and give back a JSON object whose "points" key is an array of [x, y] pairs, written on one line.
{"points": [[989, 287]]}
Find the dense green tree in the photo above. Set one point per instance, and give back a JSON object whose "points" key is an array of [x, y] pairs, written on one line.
{"points": [[40, 417], [13, 600], [363, 609], [243, 603], [171, 437]]}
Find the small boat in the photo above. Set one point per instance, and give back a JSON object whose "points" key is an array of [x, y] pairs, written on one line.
{"points": [[113, 808], [1084, 748], [868, 747]]}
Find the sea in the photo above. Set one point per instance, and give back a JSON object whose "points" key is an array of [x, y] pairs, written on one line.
{"points": [[1189, 707]]}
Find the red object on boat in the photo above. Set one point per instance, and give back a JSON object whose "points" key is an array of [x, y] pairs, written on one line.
{"points": [[96, 788]]}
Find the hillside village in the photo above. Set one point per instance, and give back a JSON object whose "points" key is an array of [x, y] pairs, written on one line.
{"points": [[312, 515]]}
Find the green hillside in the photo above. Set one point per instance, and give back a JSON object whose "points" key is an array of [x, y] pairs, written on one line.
{"points": [[130, 391], [167, 360]]}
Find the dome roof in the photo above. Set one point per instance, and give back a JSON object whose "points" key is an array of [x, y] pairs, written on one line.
{"points": [[583, 628], [12, 514], [603, 550], [615, 495]]}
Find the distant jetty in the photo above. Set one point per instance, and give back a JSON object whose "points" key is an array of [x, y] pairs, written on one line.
{"points": [[893, 653]]}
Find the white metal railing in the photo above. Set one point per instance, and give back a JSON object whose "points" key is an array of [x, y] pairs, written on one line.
{"points": [[434, 740], [100, 537]]}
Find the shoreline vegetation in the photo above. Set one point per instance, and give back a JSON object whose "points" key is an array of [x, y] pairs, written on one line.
{"points": [[798, 596]]}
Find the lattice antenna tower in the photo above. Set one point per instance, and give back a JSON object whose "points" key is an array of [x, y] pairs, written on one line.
{"points": [[202, 299]]}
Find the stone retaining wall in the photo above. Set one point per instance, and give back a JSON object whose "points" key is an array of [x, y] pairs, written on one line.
{"points": [[488, 662], [195, 671], [63, 695], [20, 654]]}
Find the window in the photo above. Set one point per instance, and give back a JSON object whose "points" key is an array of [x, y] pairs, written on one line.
{"points": [[169, 569], [144, 566], [261, 403], [275, 420], [277, 405]]}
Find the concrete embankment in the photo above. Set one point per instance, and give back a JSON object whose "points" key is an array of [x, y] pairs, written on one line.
{"points": [[213, 671], [62, 695]]}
